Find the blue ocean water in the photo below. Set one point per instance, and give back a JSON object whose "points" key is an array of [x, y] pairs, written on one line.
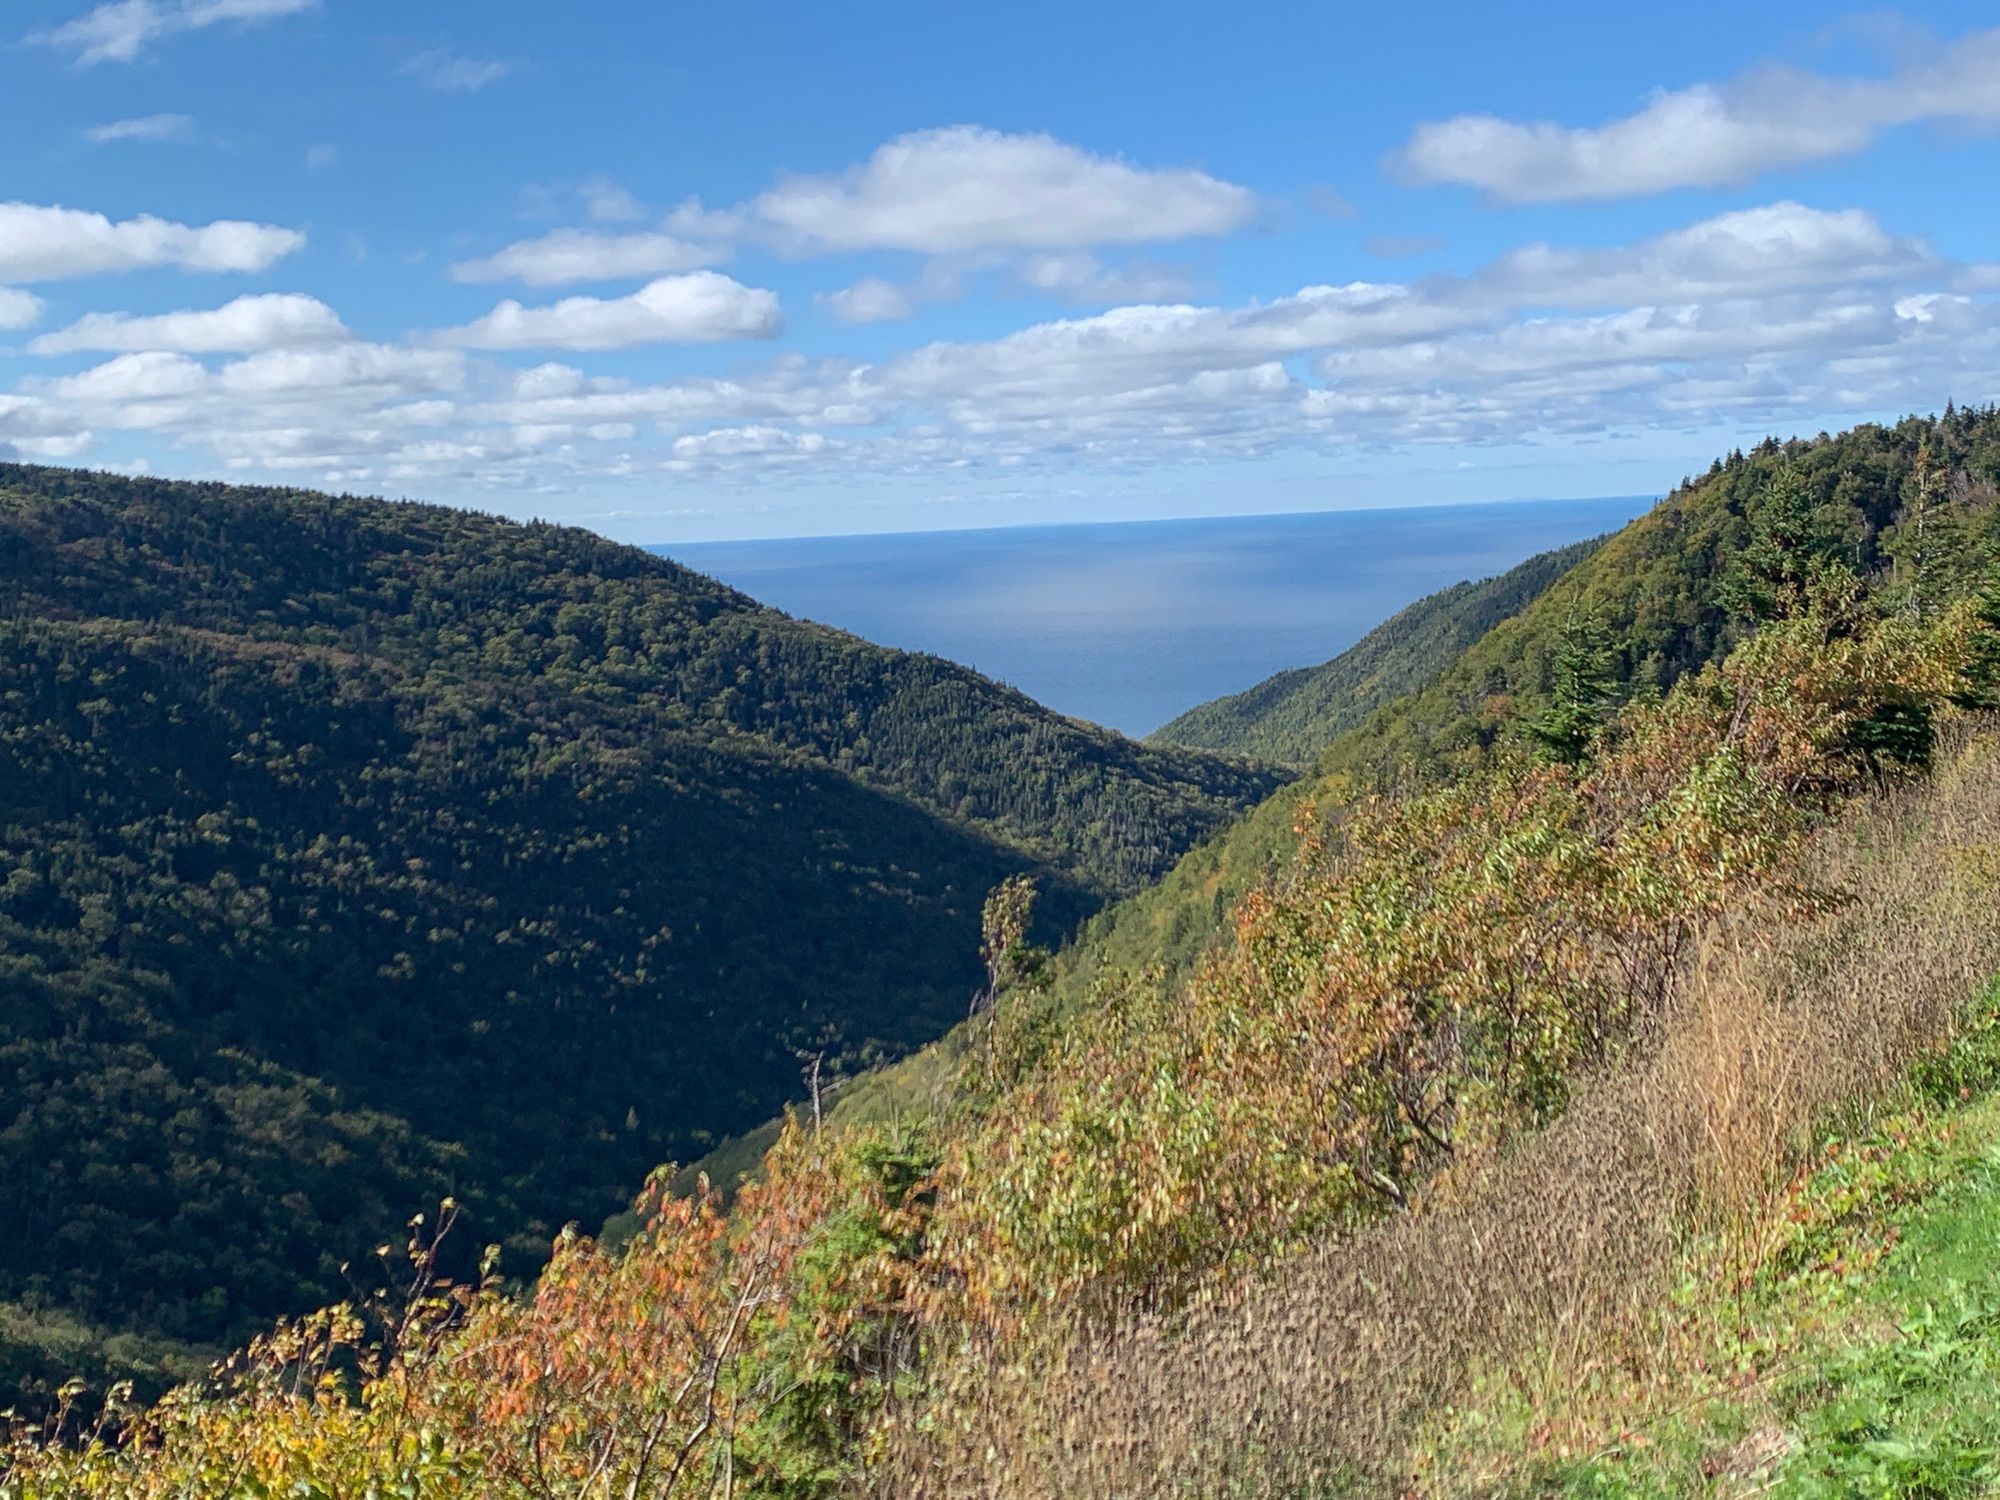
{"points": [[1129, 623]]}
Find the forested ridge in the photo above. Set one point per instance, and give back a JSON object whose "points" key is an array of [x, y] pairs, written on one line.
{"points": [[1288, 718], [1524, 1046], [355, 853], [1658, 590]]}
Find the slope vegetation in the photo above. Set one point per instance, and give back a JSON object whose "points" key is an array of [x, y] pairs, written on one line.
{"points": [[353, 854], [1474, 1088], [1904, 508]]}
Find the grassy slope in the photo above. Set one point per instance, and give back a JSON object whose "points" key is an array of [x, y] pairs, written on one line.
{"points": [[1289, 718], [1865, 1358]]}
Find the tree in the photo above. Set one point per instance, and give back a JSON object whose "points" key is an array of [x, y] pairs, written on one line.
{"points": [[1003, 939], [1580, 694], [1772, 577], [1928, 538], [1981, 673]]}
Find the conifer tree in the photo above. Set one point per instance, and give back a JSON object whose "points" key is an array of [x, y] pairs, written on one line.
{"points": [[1580, 693], [1771, 578]]}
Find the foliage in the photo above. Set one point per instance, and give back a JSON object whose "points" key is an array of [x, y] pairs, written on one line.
{"points": [[1580, 692], [1426, 980], [353, 854]]}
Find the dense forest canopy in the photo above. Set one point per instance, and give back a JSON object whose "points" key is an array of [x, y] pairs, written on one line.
{"points": [[356, 853]]}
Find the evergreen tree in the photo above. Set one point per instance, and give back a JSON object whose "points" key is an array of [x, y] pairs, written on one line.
{"points": [[1928, 539], [1580, 693], [1772, 577], [1982, 671]]}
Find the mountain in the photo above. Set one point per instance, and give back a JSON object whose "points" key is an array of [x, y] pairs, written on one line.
{"points": [[1582, 957], [356, 853], [1658, 591], [1288, 718]]}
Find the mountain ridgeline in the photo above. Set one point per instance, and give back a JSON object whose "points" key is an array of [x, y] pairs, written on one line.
{"points": [[1288, 718], [356, 853]]}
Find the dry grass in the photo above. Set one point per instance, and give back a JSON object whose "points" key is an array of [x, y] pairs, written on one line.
{"points": [[1545, 1275]]}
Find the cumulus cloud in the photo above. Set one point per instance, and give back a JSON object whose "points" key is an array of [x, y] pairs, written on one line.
{"points": [[120, 30], [572, 255], [1081, 277], [965, 188], [1778, 316], [19, 309], [1708, 135], [279, 320], [870, 300], [608, 203], [146, 128], [970, 200], [39, 243], [450, 73], [747, 442], [702, 307], [1782, 246]]}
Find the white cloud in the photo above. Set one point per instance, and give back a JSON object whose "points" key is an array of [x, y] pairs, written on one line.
{"points": [[120, 30], [572, 255], [355, 371], [40, 243], [146, 128], [870, 300], [1081, 277], [964, 188], [748, 442], [1708, 135], [700, 308], [133, 378], [1783, 316], [608, 203], [449, 73], [1782, 246], [19, 309], [279, 320]]}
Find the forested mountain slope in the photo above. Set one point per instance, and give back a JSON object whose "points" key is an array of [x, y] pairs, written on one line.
{"points": [[1907, 508], [1289, 718], [1656, 592], [1660, 888], [353, 853]]}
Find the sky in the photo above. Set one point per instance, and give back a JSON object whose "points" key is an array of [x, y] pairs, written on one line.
{"points": [[681, 272]]}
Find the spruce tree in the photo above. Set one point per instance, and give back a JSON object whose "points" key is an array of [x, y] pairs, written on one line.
{"points": [[1580, 691]]}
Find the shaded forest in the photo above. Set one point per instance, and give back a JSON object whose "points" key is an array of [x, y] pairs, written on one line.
{"points": [[353, 854]]}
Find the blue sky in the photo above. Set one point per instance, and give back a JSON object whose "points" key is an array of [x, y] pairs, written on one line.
{"points": [[683, 272]]}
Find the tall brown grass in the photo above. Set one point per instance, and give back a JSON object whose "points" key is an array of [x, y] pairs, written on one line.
{"points": [[1547, 1272]]}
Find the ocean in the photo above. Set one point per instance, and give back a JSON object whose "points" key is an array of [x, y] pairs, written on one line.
{"points": [[1130, 623]]}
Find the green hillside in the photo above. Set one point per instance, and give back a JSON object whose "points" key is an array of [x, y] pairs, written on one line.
{"points": [[355, 853], [1289, 718], [1659, 591], [1471, 1136]]}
